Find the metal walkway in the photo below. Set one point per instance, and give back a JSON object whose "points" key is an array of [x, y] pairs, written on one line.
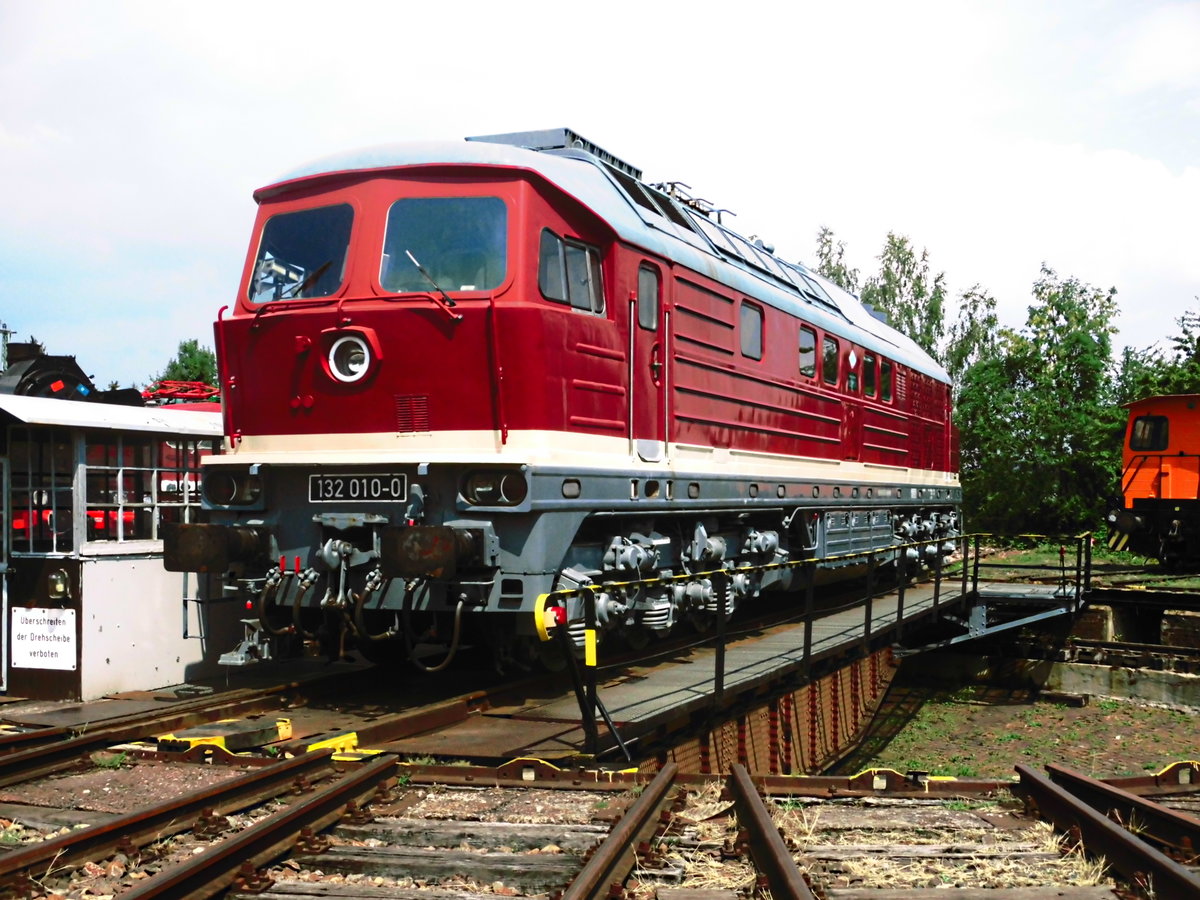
{"points": [[637, 700]]}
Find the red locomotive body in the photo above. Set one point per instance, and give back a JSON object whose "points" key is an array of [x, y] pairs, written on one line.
{"points": [[457, 377]]}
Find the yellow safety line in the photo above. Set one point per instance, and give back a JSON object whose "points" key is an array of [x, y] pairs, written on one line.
{"points": [[533, 759], [589, 647], [1183, 762]]}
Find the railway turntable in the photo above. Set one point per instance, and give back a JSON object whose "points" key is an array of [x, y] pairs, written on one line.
{"points": [[788, 698]]}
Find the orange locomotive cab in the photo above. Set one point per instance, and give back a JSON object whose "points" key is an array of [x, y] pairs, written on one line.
{"points": [[1160, 480]]}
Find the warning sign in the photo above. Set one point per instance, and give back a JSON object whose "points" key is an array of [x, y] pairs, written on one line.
{"points": [[44, 639]]}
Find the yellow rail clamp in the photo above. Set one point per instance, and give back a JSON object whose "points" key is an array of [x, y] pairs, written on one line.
{"points": [[229, 734], [346, 742], [356, 755]]}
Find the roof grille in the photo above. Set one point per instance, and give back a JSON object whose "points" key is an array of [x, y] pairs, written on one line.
{"points": [[558, 139]]}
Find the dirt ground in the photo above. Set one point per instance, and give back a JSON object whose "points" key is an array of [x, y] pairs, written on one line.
{"points": [[978, 732]]}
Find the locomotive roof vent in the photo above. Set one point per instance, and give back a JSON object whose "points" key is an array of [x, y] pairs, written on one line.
{"points": [[558, 139]]}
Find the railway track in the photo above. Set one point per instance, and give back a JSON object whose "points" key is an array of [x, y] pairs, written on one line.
{"points": [[376, 828]]}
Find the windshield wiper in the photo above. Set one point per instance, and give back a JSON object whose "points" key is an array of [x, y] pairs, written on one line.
{"points": [[313, 277], [437, 287]]}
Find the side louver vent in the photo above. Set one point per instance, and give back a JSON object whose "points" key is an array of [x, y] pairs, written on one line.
{"points": [[412, 412]]}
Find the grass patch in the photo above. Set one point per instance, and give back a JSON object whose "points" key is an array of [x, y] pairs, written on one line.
{"points": [[105, 760], [954, 733]]}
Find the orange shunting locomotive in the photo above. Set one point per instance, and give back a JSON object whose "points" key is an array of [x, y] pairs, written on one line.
{"points": [[1160, 481]]}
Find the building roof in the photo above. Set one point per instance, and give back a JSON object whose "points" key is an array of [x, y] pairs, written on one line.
{"points": [[76, 414]]}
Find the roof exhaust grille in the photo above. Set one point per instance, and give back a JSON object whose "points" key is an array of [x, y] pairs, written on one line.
{"points": [[558, 139]]}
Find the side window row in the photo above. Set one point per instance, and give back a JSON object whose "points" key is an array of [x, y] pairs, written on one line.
{"points": [[876, 372], [569, 272]]}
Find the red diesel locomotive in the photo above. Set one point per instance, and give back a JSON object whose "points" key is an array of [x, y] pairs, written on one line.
{"points": [[459, 377]]}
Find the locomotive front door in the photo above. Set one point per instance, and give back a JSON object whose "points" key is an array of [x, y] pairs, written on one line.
{"points": [[649, 354]]}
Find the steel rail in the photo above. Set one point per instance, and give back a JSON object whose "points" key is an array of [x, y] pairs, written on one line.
{"points": [[1137, 861], [34, 737], [207, 874], [771, 855], [148, 825], [614, 859], [1168, 827], [35, 761], [175, 715]]}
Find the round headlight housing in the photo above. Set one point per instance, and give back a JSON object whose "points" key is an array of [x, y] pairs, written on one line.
{"points": [[349, 359], [494, 487], [223, 488]]}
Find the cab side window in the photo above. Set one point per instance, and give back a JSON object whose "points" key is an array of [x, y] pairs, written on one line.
{"points": [[569, 272], [829, 361], [1149, 433], [752, 330], [808, 352], [648, 298]]}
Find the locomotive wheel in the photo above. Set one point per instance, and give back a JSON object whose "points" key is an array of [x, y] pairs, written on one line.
{"points": [[636, 637], [549, 656], [390, 653]]}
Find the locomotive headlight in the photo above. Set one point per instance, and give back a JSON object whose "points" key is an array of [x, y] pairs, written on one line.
{"points": [[349, 359], [489, 487], [237, 488]]}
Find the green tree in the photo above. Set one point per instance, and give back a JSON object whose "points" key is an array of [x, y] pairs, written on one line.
{"points": [[973, 334], [913, 299], [190, 363], [831, 261], [1150, 371], [1037, 416]]}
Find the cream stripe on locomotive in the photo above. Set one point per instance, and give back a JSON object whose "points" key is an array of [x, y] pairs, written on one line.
{"points": [[555, 448]]}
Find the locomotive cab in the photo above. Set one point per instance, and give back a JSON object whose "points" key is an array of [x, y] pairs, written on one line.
{"points": [[1160, 481]]}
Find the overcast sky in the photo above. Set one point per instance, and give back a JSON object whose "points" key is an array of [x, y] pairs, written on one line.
{"points": [[999, 136]]}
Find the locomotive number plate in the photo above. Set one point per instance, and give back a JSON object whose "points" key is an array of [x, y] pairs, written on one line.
{"points": [[345, 488]]}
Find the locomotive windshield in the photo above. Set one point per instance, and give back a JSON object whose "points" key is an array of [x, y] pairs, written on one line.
{"points": [[461, 241], [302, 254]]}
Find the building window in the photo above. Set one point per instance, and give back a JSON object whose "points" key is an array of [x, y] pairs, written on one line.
{"points": [[132, 484], [42, 464], [752, 330], [569, 272], [135, 483], [869, 374], [829, 362], [885, 381], [648, 298], [808, 352], [1148, 433]]}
